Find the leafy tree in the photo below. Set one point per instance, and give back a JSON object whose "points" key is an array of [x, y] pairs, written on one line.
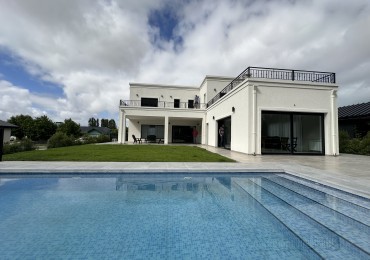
{"points": [[104, 122], [112, 124], [44, 128], [25, 126], [70, 127], [93, 121]]}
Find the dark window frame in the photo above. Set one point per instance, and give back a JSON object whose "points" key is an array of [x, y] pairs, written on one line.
{"points": [[291, 117]]}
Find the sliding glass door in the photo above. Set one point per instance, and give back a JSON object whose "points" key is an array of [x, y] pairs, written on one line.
{"points": [[292, 133]]}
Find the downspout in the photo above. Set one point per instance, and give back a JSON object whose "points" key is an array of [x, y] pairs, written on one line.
{"points": [[334, 123]]}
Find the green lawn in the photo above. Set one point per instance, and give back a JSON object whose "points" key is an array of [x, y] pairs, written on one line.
{"points": [[120, 153]]}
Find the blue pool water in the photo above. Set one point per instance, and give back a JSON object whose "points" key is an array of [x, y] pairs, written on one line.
{"points": [[180, 216]]}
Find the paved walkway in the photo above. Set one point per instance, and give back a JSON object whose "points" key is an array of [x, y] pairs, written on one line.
{"points": [[347, 172]]}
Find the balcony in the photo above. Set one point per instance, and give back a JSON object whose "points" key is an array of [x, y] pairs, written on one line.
{"points": [[163, 104], [279, 74]]}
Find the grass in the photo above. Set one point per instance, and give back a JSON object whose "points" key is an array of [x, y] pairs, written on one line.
{"points": [[120, 153]]}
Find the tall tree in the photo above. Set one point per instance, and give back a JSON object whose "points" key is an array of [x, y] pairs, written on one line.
{"points": [[25, 126], [93, 122], [112, 124], [44, 128], [70, 127], [104, 122]]}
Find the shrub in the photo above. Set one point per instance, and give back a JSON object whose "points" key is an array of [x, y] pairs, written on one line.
{"points": [[344, 140], [60, 139], [21, 146], [355, 145]]}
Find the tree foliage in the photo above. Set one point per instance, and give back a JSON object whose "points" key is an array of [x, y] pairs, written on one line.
{"points": [[44, 128], [25, 126], [40, 128], [104, 122], [70, 128], [112, 124], [93, 121]]}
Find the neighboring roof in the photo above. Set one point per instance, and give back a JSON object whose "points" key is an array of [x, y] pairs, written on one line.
{"points": [[5, 124], [88, 129], [358, 110]]}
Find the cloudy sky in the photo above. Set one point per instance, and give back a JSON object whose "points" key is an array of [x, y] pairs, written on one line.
{"points": [[74, 59]]}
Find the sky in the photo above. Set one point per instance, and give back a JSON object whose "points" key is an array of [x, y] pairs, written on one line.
{"points": [[75, 59]]}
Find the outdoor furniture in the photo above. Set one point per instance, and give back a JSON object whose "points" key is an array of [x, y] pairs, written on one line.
{"points": [[160, 140], [136, 140], [293, 145], [151, 138]]}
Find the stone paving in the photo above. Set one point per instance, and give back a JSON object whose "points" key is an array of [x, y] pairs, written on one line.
{"points": [[347, 172]]}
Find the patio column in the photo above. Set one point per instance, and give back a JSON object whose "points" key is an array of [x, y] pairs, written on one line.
{"points": [[166, 130], [122, 128], [334, 123]]}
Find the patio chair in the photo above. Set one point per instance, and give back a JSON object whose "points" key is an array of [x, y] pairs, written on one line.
{"points": [[136, 140]]}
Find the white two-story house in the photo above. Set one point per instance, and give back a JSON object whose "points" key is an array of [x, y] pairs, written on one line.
{"points": [[262, 111]]}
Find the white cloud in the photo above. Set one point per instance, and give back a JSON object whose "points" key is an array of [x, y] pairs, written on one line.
{"points": [[94, 48]]}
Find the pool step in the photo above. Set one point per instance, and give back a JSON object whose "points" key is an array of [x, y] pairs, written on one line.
{"points": [[317, 194], [323, 240], [361, 202], [350, 229]]}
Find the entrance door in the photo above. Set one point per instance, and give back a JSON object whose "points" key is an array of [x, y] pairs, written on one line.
{"points": [[292, 133], [226, 124]]}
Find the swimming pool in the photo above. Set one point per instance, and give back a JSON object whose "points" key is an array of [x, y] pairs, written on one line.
{"points": [[182, 215]]}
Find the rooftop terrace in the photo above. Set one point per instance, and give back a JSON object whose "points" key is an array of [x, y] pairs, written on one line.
{"points": [[273, 73]]}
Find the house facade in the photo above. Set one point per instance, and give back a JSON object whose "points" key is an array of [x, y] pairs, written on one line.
{"points": [[355, 119], [262, 111], [5, 131]]}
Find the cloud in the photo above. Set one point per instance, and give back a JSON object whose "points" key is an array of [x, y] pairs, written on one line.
{"points": [[92, 49]]}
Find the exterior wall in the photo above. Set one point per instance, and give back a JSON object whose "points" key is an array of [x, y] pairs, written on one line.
{"points": [[254, 96], [163, 92], [210, 84], [239, 119], [7, 134], [249, 100]]}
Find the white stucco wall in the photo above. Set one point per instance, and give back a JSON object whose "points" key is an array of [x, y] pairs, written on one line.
{"points": [[163, 92], [7, 134], [249, 99], [254, 96]]}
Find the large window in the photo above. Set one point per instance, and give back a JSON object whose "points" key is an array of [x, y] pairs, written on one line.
{"points": [[292, 133], [149, 102], [155, 131]]}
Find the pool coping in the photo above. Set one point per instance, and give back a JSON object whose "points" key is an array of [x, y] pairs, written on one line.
{"points": [[306, 172]]}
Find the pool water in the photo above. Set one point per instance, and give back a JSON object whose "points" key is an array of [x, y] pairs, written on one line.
{"points": [[180, 216]]}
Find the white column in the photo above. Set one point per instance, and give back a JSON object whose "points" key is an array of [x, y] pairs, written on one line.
{"points": [[254, 121], [204, 130], [334, 123], [122, 127], [166, 130]]}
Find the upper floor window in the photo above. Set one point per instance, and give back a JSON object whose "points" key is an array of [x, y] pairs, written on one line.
{"points": [[149, 102]]}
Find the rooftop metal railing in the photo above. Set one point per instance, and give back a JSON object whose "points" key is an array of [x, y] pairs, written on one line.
{"points": [[273, 73]]}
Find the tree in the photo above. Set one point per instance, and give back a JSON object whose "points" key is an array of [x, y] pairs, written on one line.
{"points": [[70, 127], [25, 126], [93, 121], [104, 122], [112, 124], [44, 128]]}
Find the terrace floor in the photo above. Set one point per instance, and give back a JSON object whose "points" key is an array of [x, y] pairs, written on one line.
{"points": [[347, 172]]}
